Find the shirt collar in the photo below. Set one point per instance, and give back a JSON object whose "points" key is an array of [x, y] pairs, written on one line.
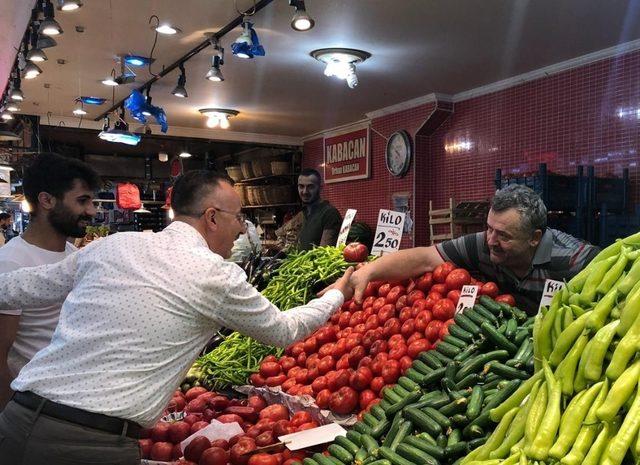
{"points": [[187, 230], [313, 208], [543, 252]]}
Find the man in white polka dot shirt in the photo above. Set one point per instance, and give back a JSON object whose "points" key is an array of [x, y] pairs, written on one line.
{"points": [[137, 310]]}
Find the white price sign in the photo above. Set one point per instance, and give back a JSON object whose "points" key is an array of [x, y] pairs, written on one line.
{"points": [[467, 298], [346, 226], [388, 232], [550, 289]]}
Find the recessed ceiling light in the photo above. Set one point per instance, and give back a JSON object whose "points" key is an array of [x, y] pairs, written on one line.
{"points": [[341, 62], [218, 116], [69, 5], [168, 29]]}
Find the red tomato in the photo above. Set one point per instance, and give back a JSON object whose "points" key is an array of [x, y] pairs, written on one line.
{"points": [[372, 322], [288, 384], [391, 327], [407, 328], [275, 412], [391, 373], [433, 330], [454, 296], [309, 425], [489, 288], [361, 379], [353, 340], [326, 349], [345, 332], [340, 379], [326, 364], [415, 311], [424, 282], [444, 309], [302, 376], [405, 363], [256, 380], [319, 384], [294, 390], [344, 401], [422, 319], [457, 278], [445, 328], [356, 318], [369, 338], [301, 360], [287, 363], [417, 347], [343, 322], [394, 294], [293, 372], [377, 384], [300, 418], [439, 288], [310, 345], [268, 369], [297, 349], [322, 398], [275, 380], [415, 336], [405, 314], [367, 397], [378, 346], [384, 290], [343, 362], [401, 302], [441, 271], [340, 348], [372, 289], [365, 362], [368, 302], [385, 313], [312, 361], [360, 329], [420, 304], [378, 304], [414, 296], [354, 306], [356, 354], [507, 299], [397, 352], [306, 391], [395, 340], [262, 458]]}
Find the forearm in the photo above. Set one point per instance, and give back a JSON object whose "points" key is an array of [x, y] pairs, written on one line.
{"points": [[403, 264]]}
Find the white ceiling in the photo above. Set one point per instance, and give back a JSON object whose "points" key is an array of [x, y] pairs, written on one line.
{"points": [[417, 46]]}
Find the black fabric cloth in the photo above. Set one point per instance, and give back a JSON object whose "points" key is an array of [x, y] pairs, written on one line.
{"points": [[320, 217]]}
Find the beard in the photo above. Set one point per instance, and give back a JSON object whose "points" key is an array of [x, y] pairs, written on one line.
{"points": [[66, 222]]}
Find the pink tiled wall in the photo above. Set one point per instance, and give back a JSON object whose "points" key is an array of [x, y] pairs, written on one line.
{"points": [[588, 115]]}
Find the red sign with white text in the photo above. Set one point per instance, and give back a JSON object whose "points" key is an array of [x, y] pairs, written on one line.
{"points": [[347, 156]]}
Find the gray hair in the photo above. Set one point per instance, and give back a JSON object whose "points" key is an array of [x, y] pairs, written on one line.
{"points": [[529, 204]]}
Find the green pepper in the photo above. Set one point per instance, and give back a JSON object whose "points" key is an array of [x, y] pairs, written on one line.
{"points": [[599, 345], [619, 393], [620, 443], [614, 272], [544, 337], [625, 286], [598, 447], [596, 275], [625, 350], [566, 371], [542, 442], [516, 398], [567, 339], [601, 311], [536, 414], [537, 356], [498, 435], [630, 311], [572, 420]]}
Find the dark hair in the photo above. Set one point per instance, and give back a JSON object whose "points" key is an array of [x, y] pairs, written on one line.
{"points": [[311, 172], [4, 216], [529, 204], [192, 187], [55, 174]]}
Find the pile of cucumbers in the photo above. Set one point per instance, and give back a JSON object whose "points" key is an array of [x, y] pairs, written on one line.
{"points": [[439, 410]]}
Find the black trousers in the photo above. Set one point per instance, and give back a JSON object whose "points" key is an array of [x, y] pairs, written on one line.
{"points": [[30, 438]]}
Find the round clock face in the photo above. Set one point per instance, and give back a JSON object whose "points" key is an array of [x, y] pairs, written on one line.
{"points": [[398, 154]]}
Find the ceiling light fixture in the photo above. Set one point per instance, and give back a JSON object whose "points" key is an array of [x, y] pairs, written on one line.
{"points": [[16, 93], [127, 76], [35, 54], [6, 115], [184, 154], [145, 110], [341, 62], [301, 20], [120, 132], [87, 100], [248, 44], [180, 89], [69, 5], [12, 107], [163, 157], [141, 209], [167, 29], [46, 41], [137, 60], [49, 26], [79, 109], [218, 116], [7, 135], [217, 59], [31, 70]]}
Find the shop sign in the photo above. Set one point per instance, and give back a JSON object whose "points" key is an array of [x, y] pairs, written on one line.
{"points": [[388, 232], [347, 156], [550, 289], [346, 226], [467, 298]]}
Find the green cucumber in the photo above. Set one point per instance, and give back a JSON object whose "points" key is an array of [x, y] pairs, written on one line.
{"points": [[323, 459], [506, 371], [442, 420], [381, 428], [456, 450], [461, 333], [430, 448], [498, 339], [433, 377], [468, 381], [473, 432], [402, 392], [308, 461], [370, 444], [482, 310], [416, 455], [475, 317], [414, 375], [451, 369], [384, 404], [378, 412], [512, 328], [340, 453], [466, 353], [394, 458], [395, 424], [398, 406], [404, 430], [408, 384], [380, 462], [354, 437], [442, 357], [491, 305], [370, 420], [362, 428], [475, 364], [477, 442], [346, 444], [360, 456], [430, 359], [423, 421], [474, 405], [521, 335], [466, 323], [454, 436], [421, 367], [454, 341], [448, 349], [453, 407], [390, 395], [460, 420], [441, 440]]}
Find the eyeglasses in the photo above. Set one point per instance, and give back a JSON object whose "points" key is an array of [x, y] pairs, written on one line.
{"points": [[241, 217]]}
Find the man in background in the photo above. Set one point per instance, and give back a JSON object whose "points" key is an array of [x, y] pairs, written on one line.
{"points": [[322, 221], [6, 231], [60, 193]]}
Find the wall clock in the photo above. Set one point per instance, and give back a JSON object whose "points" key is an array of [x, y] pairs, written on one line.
{"points": [[398, 153]]}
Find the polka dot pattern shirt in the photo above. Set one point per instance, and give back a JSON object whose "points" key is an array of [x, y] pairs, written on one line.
{"points": [[137, 310]]}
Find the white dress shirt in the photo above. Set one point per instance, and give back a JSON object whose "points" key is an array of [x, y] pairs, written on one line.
{"points": [[139, 308]]}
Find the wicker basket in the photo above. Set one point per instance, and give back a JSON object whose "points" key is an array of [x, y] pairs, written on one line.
{"points": [[261, 167], [247, 172], [242, 192], [235, 172], [280, 168], [279, 194]]}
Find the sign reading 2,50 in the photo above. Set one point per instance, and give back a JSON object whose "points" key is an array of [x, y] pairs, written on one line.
{"points": [[383, 241]]}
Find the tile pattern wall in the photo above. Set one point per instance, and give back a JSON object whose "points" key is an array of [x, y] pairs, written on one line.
{"points": [[584, 116]]}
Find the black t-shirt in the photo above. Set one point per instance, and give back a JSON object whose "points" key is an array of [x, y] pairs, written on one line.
{"points": [[323, 216]]}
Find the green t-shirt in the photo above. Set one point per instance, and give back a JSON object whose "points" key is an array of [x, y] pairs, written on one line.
{"points": [[322, 217]]}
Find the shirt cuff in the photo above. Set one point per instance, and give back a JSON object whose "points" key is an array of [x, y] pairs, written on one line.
{"points": [[335, 297]]}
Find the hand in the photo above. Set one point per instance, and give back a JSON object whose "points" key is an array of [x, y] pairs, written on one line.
{"points": [[359, 280], [343, 285]]}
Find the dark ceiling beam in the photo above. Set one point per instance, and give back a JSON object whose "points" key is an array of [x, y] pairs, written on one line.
{"points": [[237, 21]]}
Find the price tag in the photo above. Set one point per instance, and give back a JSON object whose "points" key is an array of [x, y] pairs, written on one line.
{"points": [[550, 289], [346, 226], [388, 232], [467, 298]]}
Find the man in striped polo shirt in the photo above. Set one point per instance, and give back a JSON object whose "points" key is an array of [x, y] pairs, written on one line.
{"points": [[517, 251]]}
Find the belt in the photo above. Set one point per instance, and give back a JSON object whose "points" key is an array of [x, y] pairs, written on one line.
{"points": [[80, 417]]}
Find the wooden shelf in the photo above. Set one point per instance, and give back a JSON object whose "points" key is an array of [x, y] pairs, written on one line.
{"points": [[262, 178], [272, 205]]}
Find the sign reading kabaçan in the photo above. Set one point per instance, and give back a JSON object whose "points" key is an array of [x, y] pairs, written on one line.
{"points": [[346, 156]]}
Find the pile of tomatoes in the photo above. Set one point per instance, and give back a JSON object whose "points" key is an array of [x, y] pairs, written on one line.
{"points": [[364, 347]]}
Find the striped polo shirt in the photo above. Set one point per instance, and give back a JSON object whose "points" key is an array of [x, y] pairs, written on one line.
{"points": [[559, 256]]}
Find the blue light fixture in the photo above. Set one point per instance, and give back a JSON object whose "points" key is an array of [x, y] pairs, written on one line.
{"points": [[139, 108], [248, 44], [137, 60], [120, 132], [92, 100]]}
